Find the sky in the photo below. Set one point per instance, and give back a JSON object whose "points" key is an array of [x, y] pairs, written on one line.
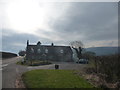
{"points": [[95, 24]]}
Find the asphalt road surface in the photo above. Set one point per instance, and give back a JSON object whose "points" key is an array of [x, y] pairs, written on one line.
{"points": [[10, 70]]}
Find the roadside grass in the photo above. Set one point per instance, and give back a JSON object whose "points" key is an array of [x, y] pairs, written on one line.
{"points": [[20, 63], [54, 79]]}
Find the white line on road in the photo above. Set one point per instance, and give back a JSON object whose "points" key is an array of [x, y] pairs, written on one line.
{"points": [[1, 66], [4, 65]]}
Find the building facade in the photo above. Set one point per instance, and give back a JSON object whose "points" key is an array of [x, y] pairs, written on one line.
{"points": [[48, 52]]}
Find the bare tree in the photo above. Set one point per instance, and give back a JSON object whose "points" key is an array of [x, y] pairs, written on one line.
{"points": [[78, 46]]}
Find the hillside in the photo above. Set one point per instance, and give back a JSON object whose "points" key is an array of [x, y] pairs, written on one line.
{"points": [[7, 55], [103, 50]]}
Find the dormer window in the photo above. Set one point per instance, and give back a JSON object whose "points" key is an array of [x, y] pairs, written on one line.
{"points": [[61, 51], [46, 50], [32, 50], [38, 50]]}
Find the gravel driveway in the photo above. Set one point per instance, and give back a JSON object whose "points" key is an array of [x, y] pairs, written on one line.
{"points": [[11, 71], [62, 65]]}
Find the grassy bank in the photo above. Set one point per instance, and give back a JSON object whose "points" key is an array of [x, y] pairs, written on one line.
{"points": [[54, 79]]}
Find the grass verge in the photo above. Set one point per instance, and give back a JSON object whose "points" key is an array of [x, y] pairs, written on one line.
{"points": [[20, 63], [54, 79]]}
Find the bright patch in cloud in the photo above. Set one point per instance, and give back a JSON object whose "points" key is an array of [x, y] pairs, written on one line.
{"points": [[28, 16]]}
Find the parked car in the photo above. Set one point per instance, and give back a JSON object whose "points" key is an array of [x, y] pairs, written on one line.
{"points": [[83, 61]]}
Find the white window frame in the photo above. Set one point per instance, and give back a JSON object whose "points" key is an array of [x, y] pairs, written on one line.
{"points": [[46, 50], [32, 50], [61, 51], [38, 50]]}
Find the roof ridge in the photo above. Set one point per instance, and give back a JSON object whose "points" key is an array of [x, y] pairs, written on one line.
{"points": [[50, 45]]}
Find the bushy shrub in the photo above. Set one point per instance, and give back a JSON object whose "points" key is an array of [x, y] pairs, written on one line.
{"points": [[108, 65], [22, 53]]}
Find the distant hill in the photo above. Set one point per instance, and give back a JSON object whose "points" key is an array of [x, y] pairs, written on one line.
{"points": [[104, 50], [5, 55]]}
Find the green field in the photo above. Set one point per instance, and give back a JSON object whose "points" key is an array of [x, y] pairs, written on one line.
{"points": [[54, 79]]}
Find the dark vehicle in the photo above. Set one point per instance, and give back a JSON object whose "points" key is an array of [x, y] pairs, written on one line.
{"points": [[82, 61]]}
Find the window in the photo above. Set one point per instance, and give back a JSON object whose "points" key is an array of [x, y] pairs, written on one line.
{"points": [[32, 57], [38, 50], [39, 57], [32, 50], [61, 51], [46, 50]]}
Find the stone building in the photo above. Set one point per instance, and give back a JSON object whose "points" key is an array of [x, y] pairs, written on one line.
{"points": [[48, 52]]}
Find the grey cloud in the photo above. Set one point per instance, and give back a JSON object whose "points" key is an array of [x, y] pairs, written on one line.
{"points": [[12, 41], [82, 21], [90, 20]]}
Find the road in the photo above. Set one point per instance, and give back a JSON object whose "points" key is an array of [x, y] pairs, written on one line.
{"points": [[62, 65], [11, 71], [0, 73]]}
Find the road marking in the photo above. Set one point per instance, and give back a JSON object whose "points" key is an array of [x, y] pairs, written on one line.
{"points": [[1, 66], [4, 65]]}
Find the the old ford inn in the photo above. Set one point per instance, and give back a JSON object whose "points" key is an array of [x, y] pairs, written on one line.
{"points": [[48, 52]]}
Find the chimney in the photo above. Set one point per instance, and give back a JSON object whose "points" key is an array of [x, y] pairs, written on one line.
{"points": [[39, 43], [52, 44], [27, 42]]}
